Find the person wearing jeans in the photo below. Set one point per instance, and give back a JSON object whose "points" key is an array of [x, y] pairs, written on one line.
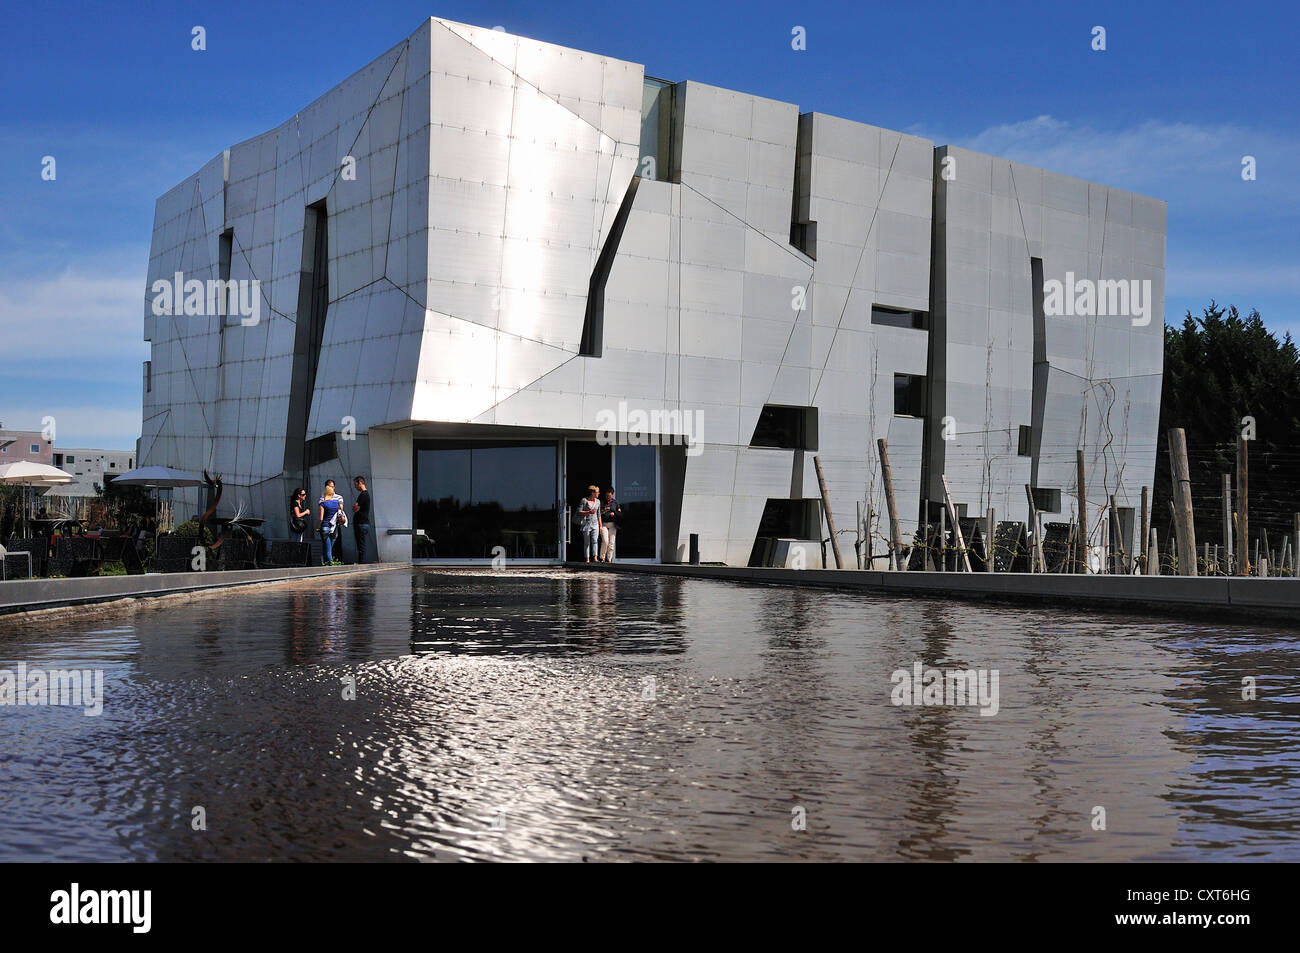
{"points": [[299, 514], [611, 514], [330, 515], [589, 522], [361, 519]]}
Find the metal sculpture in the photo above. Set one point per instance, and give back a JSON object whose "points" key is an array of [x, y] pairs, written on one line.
{"points": [[215, 488]]}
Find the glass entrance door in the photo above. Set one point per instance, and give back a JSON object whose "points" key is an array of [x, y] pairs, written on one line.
{"points": [[633, 473], [586, 463]]}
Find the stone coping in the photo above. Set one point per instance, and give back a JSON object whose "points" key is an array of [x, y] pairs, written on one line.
{"points": [[1240, 599], [28, 595]]}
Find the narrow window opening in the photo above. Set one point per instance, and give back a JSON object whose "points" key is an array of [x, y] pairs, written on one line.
{"points": [[593, 320], [909, 395], [320, 292], [786, 428], [313, 305], [897, 318], [321, 449], [224, 254], [1038, 399], [656, 157], [803, 231]]}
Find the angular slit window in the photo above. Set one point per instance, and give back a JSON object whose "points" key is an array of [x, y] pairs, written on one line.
{"points": [[803, 230], [321, 449], [786, 428], [1047, 500], [593, 320]]}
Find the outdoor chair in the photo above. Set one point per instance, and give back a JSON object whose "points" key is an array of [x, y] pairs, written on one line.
{"points": [[237, 553], [7, 554], [74, 556], [111, 548], [1011, 547], [972, 530], [1056, 546], [34, 547], [287, 552], [115, 549], [173, 554]]}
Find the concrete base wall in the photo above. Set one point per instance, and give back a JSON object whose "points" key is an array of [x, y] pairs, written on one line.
{"points": [[1242, 600], [27, 595]]}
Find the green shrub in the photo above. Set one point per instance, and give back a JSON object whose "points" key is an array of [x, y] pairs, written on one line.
{"points": [[190, 529], [112, 569]]}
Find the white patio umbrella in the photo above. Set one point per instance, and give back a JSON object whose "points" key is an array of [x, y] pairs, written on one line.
{"points": [[157, 478], [24, 473]]}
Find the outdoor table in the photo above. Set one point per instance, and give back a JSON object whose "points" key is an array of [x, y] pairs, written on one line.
{"points": [[47, 527], [248, 522]]}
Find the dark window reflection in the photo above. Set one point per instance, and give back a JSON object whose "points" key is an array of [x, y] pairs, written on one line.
{"points": [[786, 428], [909, 395], [472, 496]]}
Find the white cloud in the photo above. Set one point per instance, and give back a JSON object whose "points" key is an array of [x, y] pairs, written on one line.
{"points": [[1191, 166], [90, 311], [1229, 239]]}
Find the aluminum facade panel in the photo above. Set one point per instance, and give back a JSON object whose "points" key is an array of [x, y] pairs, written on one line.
{"points": [[490, 170]]}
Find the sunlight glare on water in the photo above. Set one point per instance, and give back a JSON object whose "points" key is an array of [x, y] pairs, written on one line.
{"points": [[549, 714]]}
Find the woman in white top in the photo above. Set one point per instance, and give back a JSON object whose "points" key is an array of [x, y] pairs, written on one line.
{"points": [[589, 522]]}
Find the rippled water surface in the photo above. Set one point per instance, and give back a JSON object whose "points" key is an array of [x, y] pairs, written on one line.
{"points": [[568, 715]]}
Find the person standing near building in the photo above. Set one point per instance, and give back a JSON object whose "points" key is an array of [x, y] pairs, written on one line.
{"points": [[330, 516], [611, 514], [299, 514], [589, 522], [361, 519]]}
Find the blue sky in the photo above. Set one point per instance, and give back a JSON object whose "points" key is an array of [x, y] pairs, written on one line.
{"points": [[115, 93]]}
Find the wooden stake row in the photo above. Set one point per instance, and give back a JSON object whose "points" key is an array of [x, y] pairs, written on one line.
{"points": [[1145, 558]]}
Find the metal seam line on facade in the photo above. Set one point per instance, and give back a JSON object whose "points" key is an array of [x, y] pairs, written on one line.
{"points": [[443, 327]]}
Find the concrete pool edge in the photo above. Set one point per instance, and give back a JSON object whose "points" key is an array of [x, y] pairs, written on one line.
{"points": [[1231, 598], [24, 596]]}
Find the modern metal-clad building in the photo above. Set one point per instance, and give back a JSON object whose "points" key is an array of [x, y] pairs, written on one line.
{"points": [[487, 271]]}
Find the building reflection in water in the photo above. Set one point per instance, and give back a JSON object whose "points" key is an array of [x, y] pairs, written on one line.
{"points": [[539, 612], [520, 698], [328, 624]]}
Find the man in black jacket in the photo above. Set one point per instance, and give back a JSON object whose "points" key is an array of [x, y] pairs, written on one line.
{"points": [[611, 514], [361, 519]]}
